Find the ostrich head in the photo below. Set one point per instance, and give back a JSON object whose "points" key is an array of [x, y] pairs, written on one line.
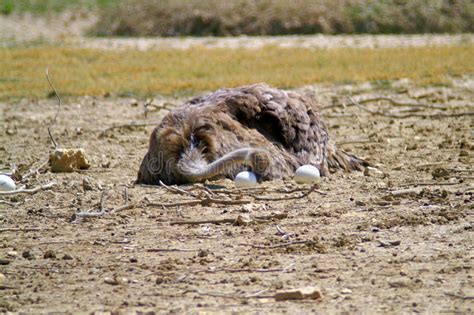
{"points": [[193, 148]]}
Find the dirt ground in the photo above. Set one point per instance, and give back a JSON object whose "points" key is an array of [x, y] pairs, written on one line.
{"points": [[395, 241]]}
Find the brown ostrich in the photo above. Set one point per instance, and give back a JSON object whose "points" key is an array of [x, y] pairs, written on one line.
{"points": [[269, 131]]}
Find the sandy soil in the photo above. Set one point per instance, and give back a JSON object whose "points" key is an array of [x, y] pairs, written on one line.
{"points": [[370, 247]]}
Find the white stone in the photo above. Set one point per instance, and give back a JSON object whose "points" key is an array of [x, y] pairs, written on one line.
{"points": [[307, 174], [6, 183], [245, 179]]}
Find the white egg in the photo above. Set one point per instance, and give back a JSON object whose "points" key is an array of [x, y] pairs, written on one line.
{"points": [[245, 179], [307, 174], [6, 183]]}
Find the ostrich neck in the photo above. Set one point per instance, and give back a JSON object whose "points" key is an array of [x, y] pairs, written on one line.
{"points": [[195, 169]]}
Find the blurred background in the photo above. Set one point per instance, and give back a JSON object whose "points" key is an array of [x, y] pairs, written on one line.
{"points": [[250, 17]]}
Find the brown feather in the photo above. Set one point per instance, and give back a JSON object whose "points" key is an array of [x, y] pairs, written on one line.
{"points": [[268, 130]]}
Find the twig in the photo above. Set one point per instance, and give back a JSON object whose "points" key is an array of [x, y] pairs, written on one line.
{"points": [[28, 191], [157, 250], [431, 184], [361, 141], [237, 270], [394, 103], [281, 215], [11, 204], [281, 245], [57, 111], [34, 171], [103, 211], [312, 189], [437, 115], [213, 294], [197, 222], [31, 229], [175, 189], [130, 125], [204, 202]]}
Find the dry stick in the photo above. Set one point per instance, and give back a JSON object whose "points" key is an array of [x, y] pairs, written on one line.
{"points": [[394, 103], [361, 141], [28, 191], [57, 112], [130, 125], [32, 229], [33, 171], [11, 204], [437, 115], [431, 184], [204, 202], [312, 189], [102, 211], [157, 250], [281, 245], [282, 215], [175, 189]]}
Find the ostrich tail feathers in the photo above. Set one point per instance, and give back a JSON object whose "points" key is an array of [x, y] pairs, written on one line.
{"points": [[339, 159]]}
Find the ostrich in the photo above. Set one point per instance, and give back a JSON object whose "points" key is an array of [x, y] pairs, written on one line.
{"points": [[269, 131]]}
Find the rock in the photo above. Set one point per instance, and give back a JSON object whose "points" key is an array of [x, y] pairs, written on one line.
{"points": [[243, 219], [346, 291], [4, 262], [310, 293], [6, 183], [68, 160], [67, 257], [374, 172], [307, 174], [28, 255], [440, 172], [49, 254], [2, 278], [111, 281], [87, 185], [12, 253]]}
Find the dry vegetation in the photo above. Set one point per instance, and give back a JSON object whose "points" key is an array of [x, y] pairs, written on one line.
{"points": [[131, 72], [279, 17]]}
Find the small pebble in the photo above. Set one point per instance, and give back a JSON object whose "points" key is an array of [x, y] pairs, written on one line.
{"points": [[49, 254]]}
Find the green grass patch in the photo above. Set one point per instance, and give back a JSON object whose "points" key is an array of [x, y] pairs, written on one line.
{"points": [[43, 6], [144, 73]]}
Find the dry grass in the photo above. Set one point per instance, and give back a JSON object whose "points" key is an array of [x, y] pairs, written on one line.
{"points": [[94, 72]]}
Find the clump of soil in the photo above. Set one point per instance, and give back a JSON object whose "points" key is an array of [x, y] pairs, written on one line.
{"points": [[397, 240]]}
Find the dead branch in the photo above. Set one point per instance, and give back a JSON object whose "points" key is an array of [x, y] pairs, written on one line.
{"points": [[311, 190], [175, 189], [203, 202], [28, 191], [167, 250], [230, 270], [198, 222], [130, 125], [103, 211], [34, 171], [281, 215], [57, 111], [431, 184], [401, 116], [281, 245], [31, 229], [395, 103], [361, 141]]}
